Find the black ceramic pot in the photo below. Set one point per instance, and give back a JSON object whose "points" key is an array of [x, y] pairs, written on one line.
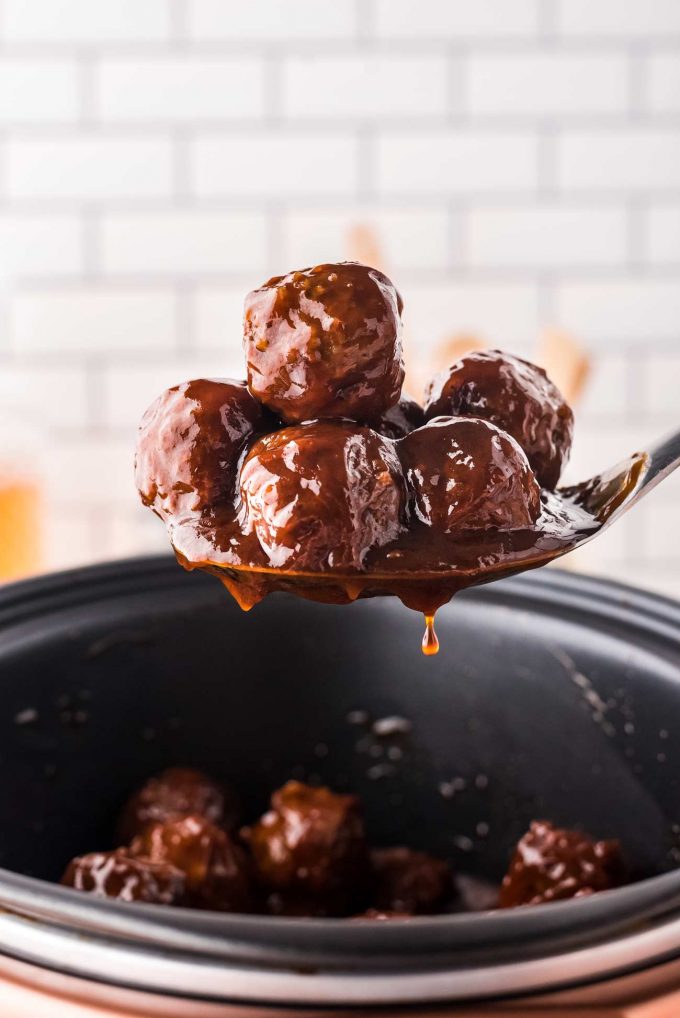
{"points": [[553, 696]]}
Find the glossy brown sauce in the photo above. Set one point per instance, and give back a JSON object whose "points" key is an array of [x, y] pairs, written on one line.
{"points": [[422, 567], [371, 497], [430, 642]]}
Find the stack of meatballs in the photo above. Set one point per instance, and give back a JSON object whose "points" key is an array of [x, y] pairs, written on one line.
{"points": [[308, 856], [321, 456]]}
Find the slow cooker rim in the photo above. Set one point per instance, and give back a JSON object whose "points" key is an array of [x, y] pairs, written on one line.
{"points": [[24, 599], [605, 599], [22, 594], [299, 986], [252, 938]]}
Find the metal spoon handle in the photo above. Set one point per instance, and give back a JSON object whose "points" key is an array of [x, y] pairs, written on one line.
{"points": [[664, 458]]}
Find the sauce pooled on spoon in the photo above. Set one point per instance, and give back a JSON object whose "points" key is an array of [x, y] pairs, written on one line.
{"points": [[316, 477]]}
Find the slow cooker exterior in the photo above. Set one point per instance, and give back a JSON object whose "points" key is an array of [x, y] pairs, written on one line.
{"points": [[108, 674]]}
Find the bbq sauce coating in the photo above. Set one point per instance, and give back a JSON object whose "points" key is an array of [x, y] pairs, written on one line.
{"points": [[321, 495], [325, 342], [174, 793], [189, 444], [467, 474], [308, 857], [516, 396], [408, 882], [551, 864], [311, 846], [119, 875], [214, 866]]}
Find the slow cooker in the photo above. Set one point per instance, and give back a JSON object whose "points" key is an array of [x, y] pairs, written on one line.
{"points": [[553, 696]]}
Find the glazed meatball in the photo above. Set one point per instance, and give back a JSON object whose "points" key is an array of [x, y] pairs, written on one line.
{"points": [[311, 845], [401, 419], [325, 342], [467, 474], [550, 864], [516, 396], [177, 792], [406, 881], [321, 495], [214, 866], [119, 875], [189, 443]]}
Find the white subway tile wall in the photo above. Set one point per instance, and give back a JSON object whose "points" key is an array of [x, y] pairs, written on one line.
{"points": [[56, 165], [518, 160], [178, 90]]}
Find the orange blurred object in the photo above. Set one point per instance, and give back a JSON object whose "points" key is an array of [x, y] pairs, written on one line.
{"points": [[421, 370], [20, 546], [454, 346], [363, 245], [565, 361], [562, 356]]}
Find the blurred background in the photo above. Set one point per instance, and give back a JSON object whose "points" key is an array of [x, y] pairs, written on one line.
{"points": [[513, 164]]}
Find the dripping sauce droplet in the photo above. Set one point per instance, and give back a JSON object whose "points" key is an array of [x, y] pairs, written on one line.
{"points": [[430, 642]]}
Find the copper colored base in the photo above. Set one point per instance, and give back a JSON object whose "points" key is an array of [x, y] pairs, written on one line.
{"points": [[27, 991]]}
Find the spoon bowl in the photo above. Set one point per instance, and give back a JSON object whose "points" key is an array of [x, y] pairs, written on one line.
{"points": [[570, 517]]}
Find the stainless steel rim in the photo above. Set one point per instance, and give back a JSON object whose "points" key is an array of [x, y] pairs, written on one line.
{"points": [[207, 978]]}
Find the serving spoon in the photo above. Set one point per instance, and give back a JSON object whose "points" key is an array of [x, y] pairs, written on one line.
{"points": [[570, 517]]}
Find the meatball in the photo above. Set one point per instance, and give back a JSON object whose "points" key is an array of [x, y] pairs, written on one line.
{"points": [[189, 443], [321, 495], [214, 867], [401, 419], [177, 792], [406, 881], [467, 474], [325, 342], [311, 845], [119, 875], [551, 863], [516, 396]]}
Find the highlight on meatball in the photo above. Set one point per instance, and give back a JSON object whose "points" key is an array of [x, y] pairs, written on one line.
{"points": [[322, 495], [325, 342], [177, 792], [467, 474], [119, 875], [514, 395], [214, 866], [311, 845], [551, 864], [409, 882], [189, 443]]}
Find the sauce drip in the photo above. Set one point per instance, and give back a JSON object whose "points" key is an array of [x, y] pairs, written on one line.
{"points": [[422, 567], [333, 511], [430, 644]]}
